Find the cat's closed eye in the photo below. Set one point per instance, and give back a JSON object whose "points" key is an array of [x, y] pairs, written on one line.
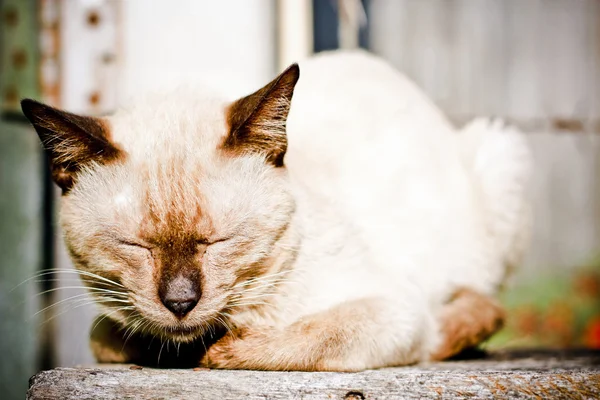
{"points": [[208, 242], [133, 244]]}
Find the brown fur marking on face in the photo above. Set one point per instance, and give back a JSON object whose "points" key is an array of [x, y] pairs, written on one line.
{"points": [[466, 320], [175, 228], [257, 122], [173, 212], [71, 141], [176, 253]]}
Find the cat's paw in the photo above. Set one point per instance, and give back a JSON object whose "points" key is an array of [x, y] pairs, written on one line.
{"points": [[227, 352], [108, 354], [468, 319]]}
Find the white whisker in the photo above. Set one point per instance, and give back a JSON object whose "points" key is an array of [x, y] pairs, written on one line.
{"points": [[109, 314], [161, 349], [86, 288], [53, 271]]}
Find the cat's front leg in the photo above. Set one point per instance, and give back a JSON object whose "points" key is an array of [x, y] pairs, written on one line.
{"points": [[356, 335]]}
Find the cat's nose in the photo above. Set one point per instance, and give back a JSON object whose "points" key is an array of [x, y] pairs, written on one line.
{"points": [[180, 307], [181, 296]]}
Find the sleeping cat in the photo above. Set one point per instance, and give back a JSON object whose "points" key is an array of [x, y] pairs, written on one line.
{"points": [[333, 221]]}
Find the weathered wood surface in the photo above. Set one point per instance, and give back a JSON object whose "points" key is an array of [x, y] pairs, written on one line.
{"points": [[574, 374]]}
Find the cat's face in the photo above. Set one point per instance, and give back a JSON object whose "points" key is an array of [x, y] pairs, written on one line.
{"points": [[168, 210]]}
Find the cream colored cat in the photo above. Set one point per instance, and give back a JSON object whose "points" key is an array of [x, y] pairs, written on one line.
{"points": [[360, 231]]}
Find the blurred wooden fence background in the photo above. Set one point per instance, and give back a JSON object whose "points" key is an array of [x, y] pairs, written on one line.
{"points": [[533, 62]]}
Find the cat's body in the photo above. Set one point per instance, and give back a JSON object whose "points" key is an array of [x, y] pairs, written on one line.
{"points": [[341, 256], [428, 201]]}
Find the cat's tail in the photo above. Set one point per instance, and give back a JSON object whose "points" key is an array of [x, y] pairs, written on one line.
{"points": [[500, 159]]}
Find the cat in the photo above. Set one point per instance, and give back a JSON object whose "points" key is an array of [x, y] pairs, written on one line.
{"points": [[333, 220]]}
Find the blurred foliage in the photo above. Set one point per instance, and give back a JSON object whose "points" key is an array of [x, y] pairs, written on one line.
{"points": [[557, 311]]}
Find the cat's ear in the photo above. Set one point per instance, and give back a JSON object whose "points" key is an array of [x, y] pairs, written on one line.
{"points": [[257, 123], [71, 141]]}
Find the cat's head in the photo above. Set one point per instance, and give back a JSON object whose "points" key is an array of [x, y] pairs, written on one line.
{"points": [[171, 207]]}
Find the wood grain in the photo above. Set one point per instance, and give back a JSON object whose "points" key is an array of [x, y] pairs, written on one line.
{"points": [[549, 374]]}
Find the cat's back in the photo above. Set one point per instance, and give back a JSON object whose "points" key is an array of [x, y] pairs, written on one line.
{"points": [[346, 94], [367, 138], [346, 101]]}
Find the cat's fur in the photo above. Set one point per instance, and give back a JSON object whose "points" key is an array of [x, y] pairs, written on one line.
{"points": [[343, 255]]}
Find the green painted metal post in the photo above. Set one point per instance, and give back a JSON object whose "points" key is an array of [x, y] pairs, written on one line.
{"points": [[21, 202]]}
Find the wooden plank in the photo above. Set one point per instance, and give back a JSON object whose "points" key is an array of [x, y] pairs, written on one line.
{"points": [[565, 192], [49, 46], [535, 63], [294, 31], [90, 35], [228, 44], [521, 59], [514, 375]]}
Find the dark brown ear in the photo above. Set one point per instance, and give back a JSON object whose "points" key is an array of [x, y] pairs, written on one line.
{"points": [[71, 141], [257, 123]]}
